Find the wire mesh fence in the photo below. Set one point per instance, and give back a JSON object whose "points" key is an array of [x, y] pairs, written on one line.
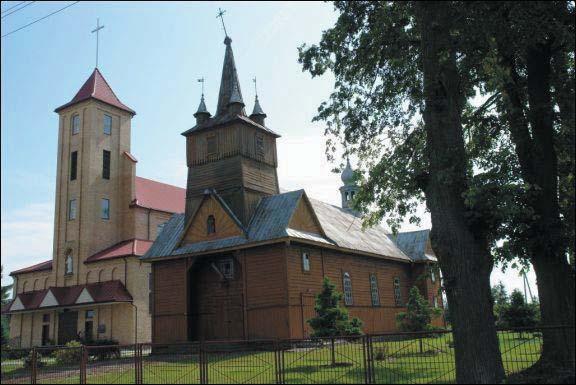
{"points": [[387, 358]]}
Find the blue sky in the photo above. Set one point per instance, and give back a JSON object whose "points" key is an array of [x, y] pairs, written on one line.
{"points": [[151, 53]]}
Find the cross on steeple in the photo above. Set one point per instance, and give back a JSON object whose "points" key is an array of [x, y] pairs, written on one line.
{"points": [[97, 30], [221, 16], [255, 87], [201, 80]]}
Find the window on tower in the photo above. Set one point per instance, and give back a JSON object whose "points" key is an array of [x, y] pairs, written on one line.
{"points": [[72, 209], [105, 208], [75, 123], [212, 144], [106, 164], [210, 225], [73, 165], [107, 124], [259, 144]]}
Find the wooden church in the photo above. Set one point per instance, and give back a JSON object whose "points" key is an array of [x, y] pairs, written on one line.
{"points": [[245, 261]]}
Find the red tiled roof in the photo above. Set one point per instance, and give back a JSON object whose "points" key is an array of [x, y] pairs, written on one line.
{"points": [[97, 87], [137, 247], [101, 292], [46, 265], [159, 196]]}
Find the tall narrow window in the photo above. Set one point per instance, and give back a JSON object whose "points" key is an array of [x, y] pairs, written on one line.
{"points": [[73, 165], [69, 264], [432, 275], [210, 225], [347, 283], [397, 292], [107, 125], [106, 164], [75, 123], [305, 261], [212, 144], [105, 208], [374, 290], [72, 209], [259, 144]]}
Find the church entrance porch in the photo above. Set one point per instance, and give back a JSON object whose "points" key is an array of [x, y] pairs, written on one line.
{"points": [[216, 304], [67, 327]]}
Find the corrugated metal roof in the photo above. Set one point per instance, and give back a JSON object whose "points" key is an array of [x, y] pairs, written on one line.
{"points": [[270, 221], [413, 244]]}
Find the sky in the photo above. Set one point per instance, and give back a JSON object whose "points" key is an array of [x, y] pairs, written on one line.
{"points": [[152, 53]]}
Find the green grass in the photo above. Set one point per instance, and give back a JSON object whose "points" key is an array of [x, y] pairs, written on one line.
{"points": [[431, 361]]}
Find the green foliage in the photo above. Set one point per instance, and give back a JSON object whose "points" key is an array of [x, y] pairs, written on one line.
{"points": [[70, 355], [518, 313], [104, 349], [418, 315], [5, 298], [501, 301], [331, 319]]}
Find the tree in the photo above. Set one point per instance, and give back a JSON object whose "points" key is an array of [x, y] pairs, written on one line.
{"points": [[331, 319], [5, 298], [528, 74], [501, 301], [418, 315], [396, 63], [519, 314]]}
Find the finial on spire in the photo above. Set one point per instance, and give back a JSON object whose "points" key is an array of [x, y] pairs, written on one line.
{"points": [[202, 114], [258, 114], [201, 80], [255, 88], [221, 16], [97, 31]]}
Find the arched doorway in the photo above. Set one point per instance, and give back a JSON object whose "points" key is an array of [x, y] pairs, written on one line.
{"points": [[215, 296]]}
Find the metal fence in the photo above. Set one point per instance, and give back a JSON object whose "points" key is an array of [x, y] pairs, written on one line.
{"points": [[385, 358]]}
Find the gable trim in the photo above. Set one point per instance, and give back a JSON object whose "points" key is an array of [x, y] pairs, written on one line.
{"points": [[49, 300], [17, 305], [84, 297], [312, 212]]}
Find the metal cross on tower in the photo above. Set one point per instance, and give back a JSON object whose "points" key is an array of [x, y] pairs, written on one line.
{"points": [[221, 16], [255, 87], [201, 80], [97, 30]]}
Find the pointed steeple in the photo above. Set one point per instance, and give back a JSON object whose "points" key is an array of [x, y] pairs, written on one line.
{"points": [[96, 87], [230, 94], [202, 114], [258, 114]]}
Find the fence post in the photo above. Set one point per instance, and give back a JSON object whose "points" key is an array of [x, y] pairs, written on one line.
{"points": [[367, 355], [278, 358], [83, 361], [33, 368], [138, 363], [202, 364]]}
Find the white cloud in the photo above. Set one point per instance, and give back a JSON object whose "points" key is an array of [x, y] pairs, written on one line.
{"points": [[26, 235]]}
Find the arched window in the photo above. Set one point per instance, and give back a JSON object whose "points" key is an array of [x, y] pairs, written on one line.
{"points": [[25, 286], [101, 275], [347, 283], [374, 290], [35, 285], [45, 283], [69, 267], [397, 292], [210, 225]]}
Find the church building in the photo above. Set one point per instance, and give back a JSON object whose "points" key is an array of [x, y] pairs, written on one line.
{"points": [[245, 260], [106, 217]]}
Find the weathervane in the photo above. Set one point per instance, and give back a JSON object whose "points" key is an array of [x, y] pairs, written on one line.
{"points": [[255, 88], [221, 16], [201, 80], [97, 30]]}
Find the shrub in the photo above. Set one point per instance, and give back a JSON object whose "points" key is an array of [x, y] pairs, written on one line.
{"points": [[70, 355], [418, 315], [381, 353], [10, 353], [28, 360]]}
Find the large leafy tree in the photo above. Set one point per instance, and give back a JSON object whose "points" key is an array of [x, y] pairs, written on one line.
{"points": [[5, 298], [525, 137], [401, 88]]}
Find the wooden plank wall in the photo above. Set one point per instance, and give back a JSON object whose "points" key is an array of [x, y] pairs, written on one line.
{"points": [[302, 219], [333, 264], [225, 225]]}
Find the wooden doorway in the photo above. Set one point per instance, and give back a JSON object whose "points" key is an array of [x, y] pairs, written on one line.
{"points": [[67, 327]]}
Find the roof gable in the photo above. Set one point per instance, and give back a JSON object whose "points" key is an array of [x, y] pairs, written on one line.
{"points": [[17, 305], [226, 223], [304, 218], [49, 300], [84, 297]]}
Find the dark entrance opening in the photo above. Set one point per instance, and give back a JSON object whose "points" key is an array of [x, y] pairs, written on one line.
{"points": [[67, 327], [215, 300], [45, 334]]}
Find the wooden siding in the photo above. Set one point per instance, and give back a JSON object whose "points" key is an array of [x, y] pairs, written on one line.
{"points": [[259, 176], [303, 219], [225, 225]]}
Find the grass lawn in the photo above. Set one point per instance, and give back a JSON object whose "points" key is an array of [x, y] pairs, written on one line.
{"points": [[429, 360]]}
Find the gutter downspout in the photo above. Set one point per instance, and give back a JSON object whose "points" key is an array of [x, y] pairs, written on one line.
{"points": [[135, 323]]}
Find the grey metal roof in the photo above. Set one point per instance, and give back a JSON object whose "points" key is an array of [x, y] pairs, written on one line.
{"points": [[202, 107], [413, 244], [257, 111], [271, 220], [229, 85], [225, 119]]}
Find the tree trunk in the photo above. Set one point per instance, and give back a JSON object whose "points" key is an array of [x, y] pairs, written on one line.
{"points": [[555, 278], [463, 252]]}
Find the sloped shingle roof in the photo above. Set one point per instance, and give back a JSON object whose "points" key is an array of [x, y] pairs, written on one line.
{"points": [[46, 265], [159, 196], [413, 243]]}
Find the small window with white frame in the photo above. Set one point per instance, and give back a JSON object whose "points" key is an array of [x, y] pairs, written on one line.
{"points": [[226, 267], [305, 261], [105, 208], [107, 125], [347, 283], [75, 123]]}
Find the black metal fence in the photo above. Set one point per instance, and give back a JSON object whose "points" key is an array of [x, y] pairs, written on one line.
{"points": [[385, 358]]}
